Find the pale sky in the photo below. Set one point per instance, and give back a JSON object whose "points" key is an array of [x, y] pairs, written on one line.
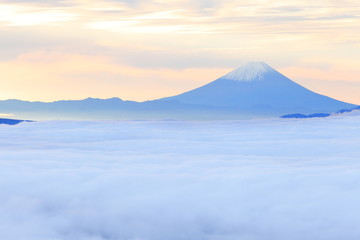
{"points": [[143, 50]]}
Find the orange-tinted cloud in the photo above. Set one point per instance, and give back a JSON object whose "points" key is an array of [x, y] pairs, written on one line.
{"points": [[54, 76], [166, 46]]}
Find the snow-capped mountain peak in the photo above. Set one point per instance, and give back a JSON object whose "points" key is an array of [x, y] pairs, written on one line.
{"points": [[250, 72], [259, 88]]}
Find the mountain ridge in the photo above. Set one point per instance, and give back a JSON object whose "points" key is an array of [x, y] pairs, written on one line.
{"points": [[251, 91], [257, 84]]}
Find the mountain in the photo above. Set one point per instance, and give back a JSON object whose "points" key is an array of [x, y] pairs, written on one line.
{"points": [[104, 109], [254, 90], [299, 115], [257, 86], [348, 110], [12, 121]]}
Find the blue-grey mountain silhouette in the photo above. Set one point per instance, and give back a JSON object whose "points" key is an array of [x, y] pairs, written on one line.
{"points": [[257, 86], [348, 110], [299, 115], [254, 90], [12, 121]]}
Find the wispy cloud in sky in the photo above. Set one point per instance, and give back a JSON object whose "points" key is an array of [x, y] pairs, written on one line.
{"points": [[179, 35]]}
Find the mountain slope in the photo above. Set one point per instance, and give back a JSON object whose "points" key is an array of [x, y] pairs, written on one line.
{"points": [[253, 91], [258, 86]]}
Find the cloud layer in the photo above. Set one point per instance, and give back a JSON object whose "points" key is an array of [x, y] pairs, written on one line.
{"points": [[273, 179]]}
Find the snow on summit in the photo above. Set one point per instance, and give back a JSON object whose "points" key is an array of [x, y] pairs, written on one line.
{"points": [[260, 89], [250, 72]]}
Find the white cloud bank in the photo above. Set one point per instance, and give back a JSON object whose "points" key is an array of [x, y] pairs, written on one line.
{"points": [[140, 180]]}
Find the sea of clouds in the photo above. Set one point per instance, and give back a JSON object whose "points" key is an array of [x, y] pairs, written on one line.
{"points": [[177, 180]]}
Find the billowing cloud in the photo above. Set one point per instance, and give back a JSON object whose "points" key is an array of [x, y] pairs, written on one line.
{"points": [[161, 180]]}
